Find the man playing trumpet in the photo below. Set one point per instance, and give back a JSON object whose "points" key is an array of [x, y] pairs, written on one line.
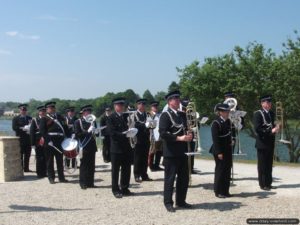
{"points": [[84, 132]]}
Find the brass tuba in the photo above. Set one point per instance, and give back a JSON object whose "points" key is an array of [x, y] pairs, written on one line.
{"points": [[192, 118]]}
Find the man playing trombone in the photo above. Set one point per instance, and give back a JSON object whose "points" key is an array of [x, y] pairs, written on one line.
{"points": [[173, 131], [85, 130], [266, 130]]}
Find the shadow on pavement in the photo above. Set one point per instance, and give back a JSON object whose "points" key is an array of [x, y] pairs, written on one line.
{"points": [[27, 208], [221, 206]]}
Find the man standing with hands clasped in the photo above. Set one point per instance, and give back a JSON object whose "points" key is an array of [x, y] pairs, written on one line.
{"points": [[173, 132], [222, 150], [265, 141]]}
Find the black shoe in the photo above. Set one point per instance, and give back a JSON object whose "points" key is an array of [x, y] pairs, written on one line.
{"points": [[170, 208], [159, 169], [118, 195], [28, 171], [92, 186], [185, 205], [83, 187], [51, 181], [147, 179], [127, 192], [228, 195], [138, 179], [220, 196], [272, 187], [63, 181], [193, 172], [265, 188]]}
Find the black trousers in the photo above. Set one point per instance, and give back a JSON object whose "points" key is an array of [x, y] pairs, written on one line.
{"points": [[25, 155], [120, 161], [176, 167], [50, 154], [106, 149], [141, 153], [87, 167], [41, 166], [222, 174], [155, 154], [193, 145], [265, 166]]}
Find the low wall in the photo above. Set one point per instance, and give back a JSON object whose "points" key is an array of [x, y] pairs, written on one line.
{"points": [[10, 159]]}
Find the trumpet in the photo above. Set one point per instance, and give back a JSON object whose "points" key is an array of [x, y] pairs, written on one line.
{"points": [[280, 122]]}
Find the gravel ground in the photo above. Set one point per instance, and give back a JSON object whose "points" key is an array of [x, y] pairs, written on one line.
{"points": [[35, 201]]}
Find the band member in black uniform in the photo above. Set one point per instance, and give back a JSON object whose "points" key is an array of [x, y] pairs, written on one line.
{"points": [[37, 143], [173, 131], [265, 141], [155, 152], [53, 130], [85, 132], [20, 125], [141, 150], [70, 119], [105, 136], [120, 149], [222, 150]]}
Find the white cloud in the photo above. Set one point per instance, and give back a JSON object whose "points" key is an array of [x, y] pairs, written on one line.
{"points": [[22, 36], [12, 33], [55, 18], [5, 52]]}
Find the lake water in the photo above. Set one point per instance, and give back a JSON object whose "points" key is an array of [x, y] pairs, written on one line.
{"points": [[247, 143]]}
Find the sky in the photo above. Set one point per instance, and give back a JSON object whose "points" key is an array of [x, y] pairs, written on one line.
{"points": [[74, 49]]}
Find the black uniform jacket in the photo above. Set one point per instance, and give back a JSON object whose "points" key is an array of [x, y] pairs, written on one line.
{"points": [[103, 122], [35, 134], [19, 122], [221, 136], [116, 126], [81, 132], [264, 136], [169, 132], [48, 125], [70, 124], [143, 135]]}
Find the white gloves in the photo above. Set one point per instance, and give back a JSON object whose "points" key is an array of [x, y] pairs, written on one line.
{"points": [[147, 124], [131, 132], [91, 129], [33, 148]]}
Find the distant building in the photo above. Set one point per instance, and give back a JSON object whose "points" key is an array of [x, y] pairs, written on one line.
{"points": [[10, 113]]}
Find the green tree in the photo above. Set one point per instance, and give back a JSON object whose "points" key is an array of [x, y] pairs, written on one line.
{"points": [[173, 86], [147, 95]]}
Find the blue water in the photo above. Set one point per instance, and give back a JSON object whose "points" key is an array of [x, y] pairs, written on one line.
{"points": [[247, 143], [247, 146]]}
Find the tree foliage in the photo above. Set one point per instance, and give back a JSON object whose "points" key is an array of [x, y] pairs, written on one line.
{"points": [[249, 72]]}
